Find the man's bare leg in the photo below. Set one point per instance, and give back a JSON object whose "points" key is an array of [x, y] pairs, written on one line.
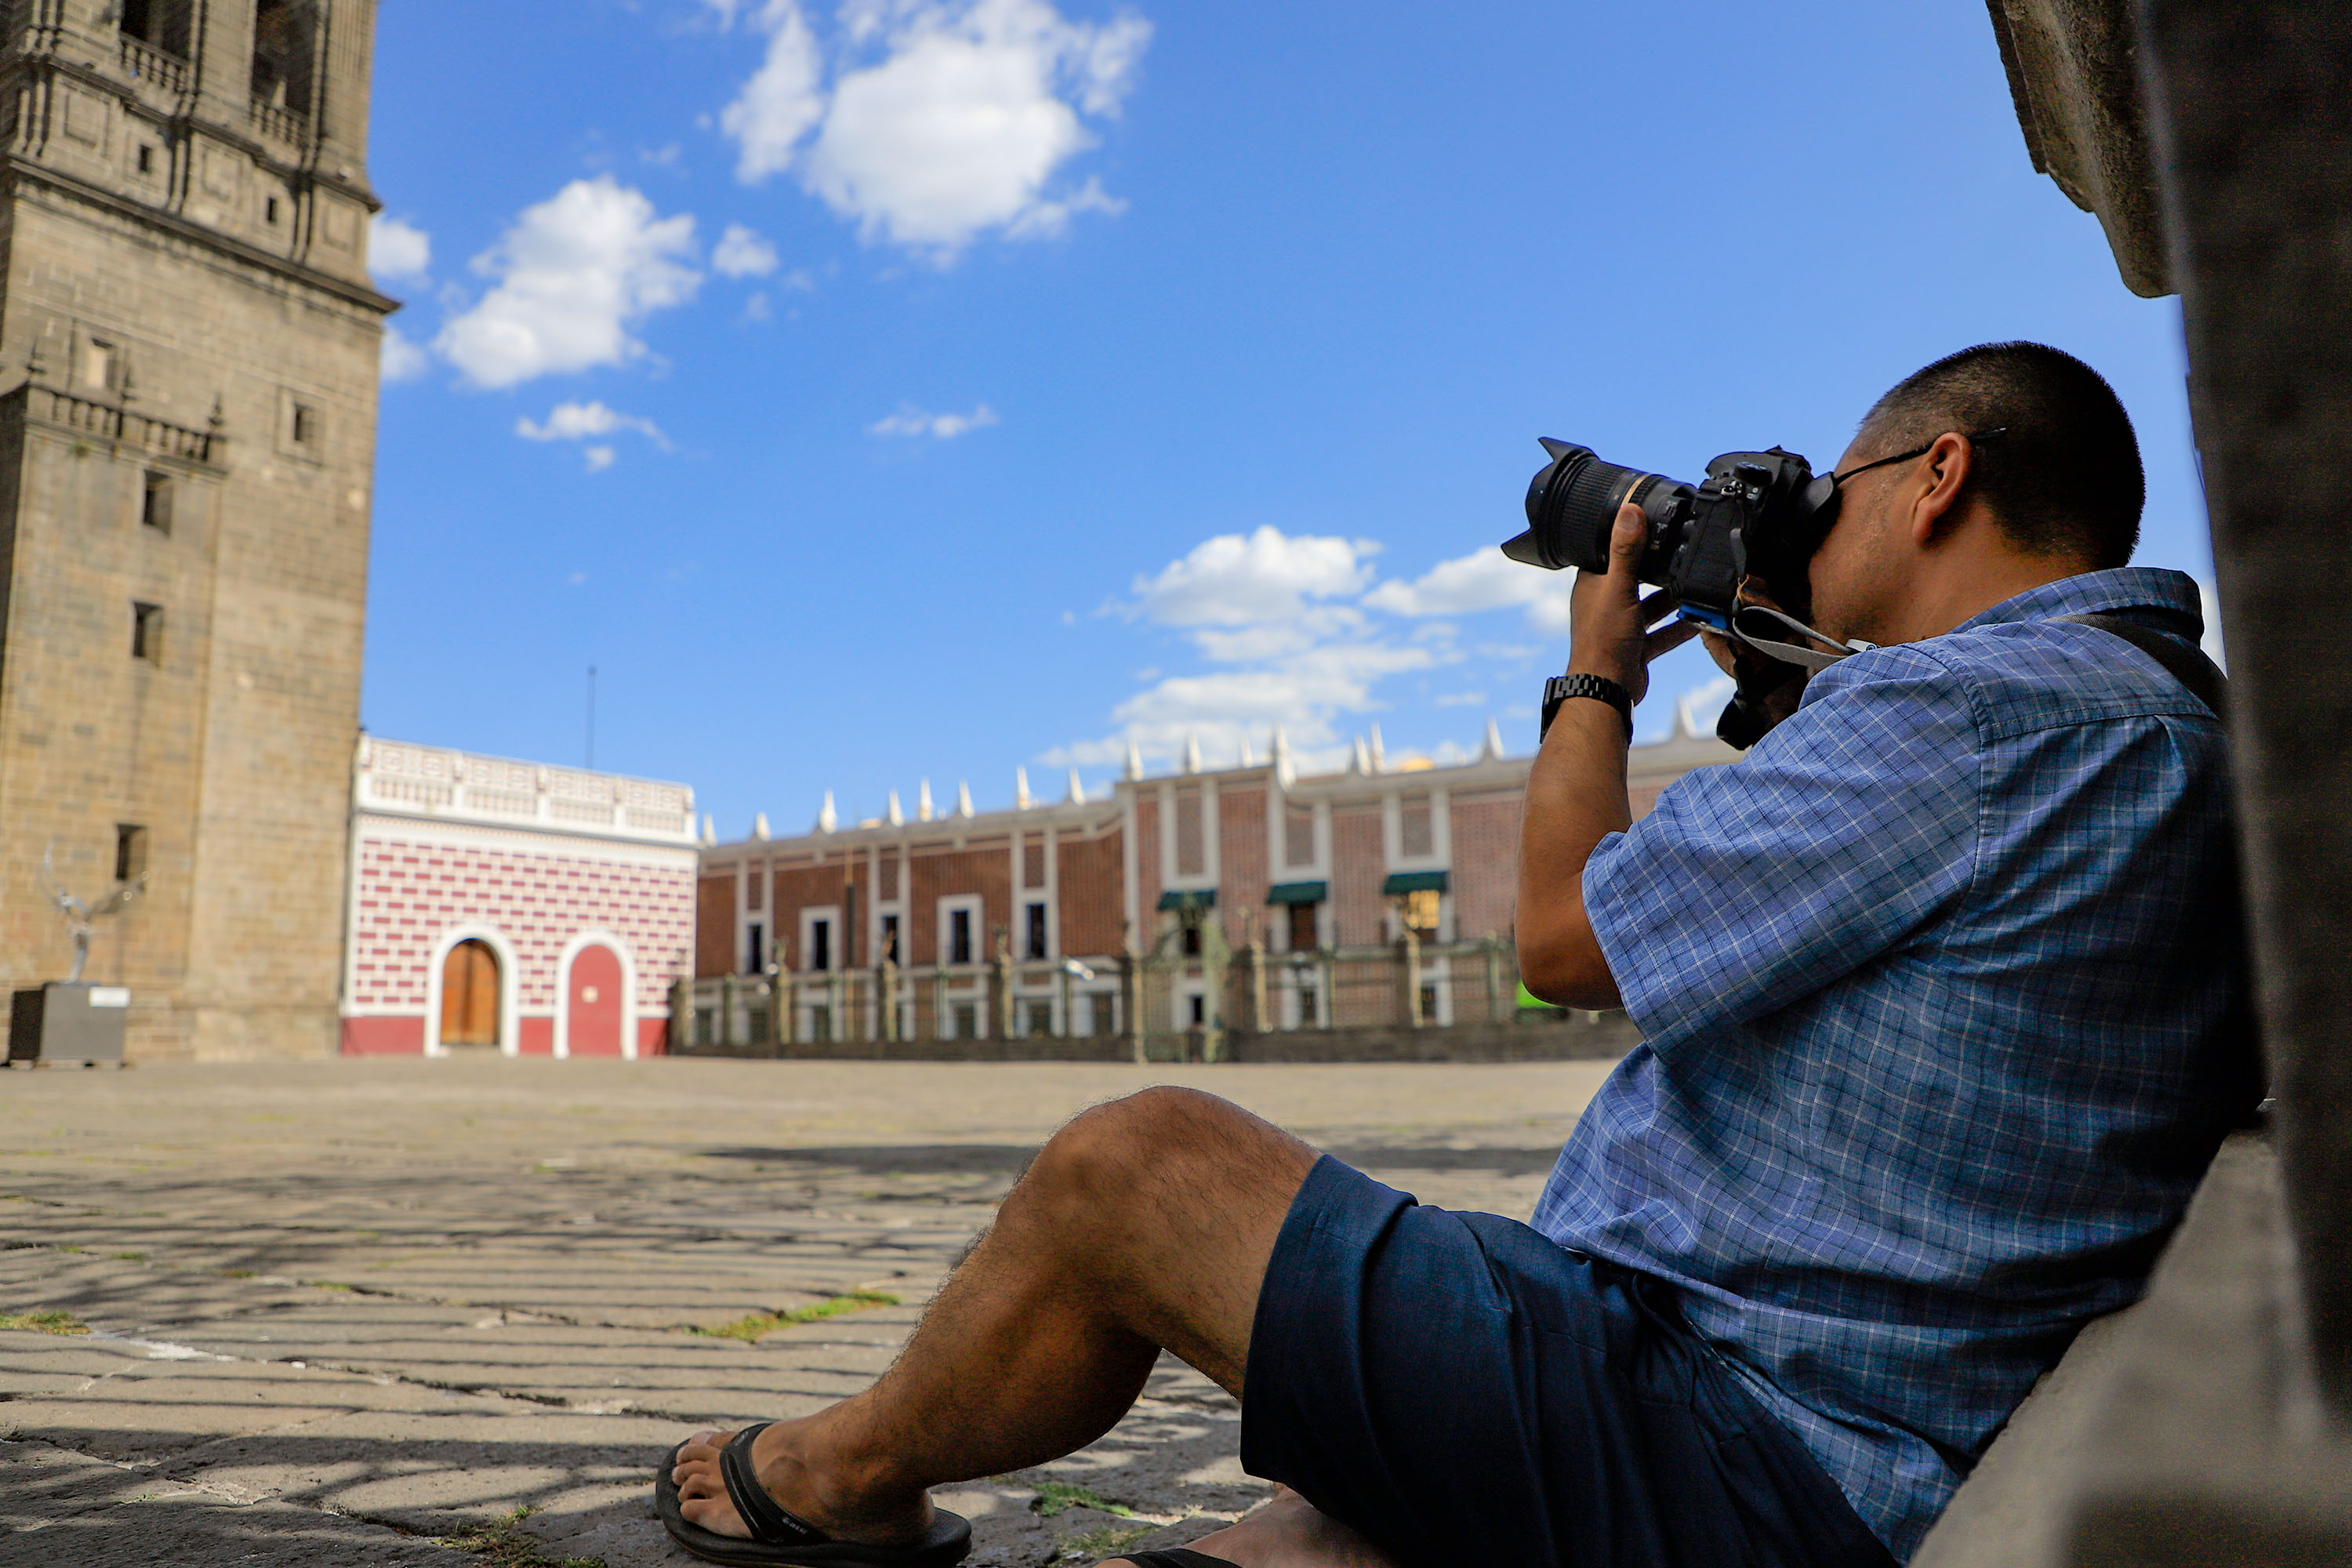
{"points": [[1144, 1224]]}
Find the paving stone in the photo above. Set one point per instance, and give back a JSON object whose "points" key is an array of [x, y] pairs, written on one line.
{"points": [[524, 1250]]}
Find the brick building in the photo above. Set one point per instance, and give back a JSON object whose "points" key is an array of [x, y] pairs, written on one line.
{"points": [[1246, 897], [512, 906], [188, 371]]}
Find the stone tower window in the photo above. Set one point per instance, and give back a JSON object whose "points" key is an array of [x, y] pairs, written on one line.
{"points": [[96, 363], [158, 24], [147, 633], [129, 851], [269, 216], [155, 502], [285, 42], [146, 159], [303, 424]]}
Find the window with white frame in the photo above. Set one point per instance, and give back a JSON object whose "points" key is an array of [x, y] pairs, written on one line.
{"points": [[820, 939], [959, 929], [1298, 832]]}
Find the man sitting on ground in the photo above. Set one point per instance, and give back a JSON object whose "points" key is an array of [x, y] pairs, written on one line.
{"points": [[1937, 988]]}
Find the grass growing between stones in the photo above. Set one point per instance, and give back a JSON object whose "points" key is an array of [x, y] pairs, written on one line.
{"points": [[504, 1543], [751, 1330], [44, 1322], [1054, 1497]]}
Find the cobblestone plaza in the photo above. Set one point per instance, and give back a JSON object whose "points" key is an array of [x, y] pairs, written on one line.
{"points": [[350, 1312]]}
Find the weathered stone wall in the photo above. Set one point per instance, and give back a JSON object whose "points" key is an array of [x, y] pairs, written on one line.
{"points": [[184, 293]]}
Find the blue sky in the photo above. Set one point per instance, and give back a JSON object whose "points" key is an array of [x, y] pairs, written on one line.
{"points": [[921, 389]]}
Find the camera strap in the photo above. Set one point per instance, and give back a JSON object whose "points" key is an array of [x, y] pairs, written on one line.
{"points": [[1768, 632]]}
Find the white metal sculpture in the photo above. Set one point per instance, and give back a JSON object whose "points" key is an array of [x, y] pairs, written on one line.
{"points": [[80, 914]]}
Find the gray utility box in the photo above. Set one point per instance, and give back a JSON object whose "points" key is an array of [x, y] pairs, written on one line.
{"points": [[62, 1023]]}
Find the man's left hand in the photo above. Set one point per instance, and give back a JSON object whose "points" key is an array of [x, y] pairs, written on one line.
{"points": [[1609, 620]]}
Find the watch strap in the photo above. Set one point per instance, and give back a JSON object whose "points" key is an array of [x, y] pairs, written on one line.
{"points": [[1600, 688]]}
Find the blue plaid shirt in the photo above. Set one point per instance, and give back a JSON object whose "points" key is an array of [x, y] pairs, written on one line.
{"points": [[1938, 988]]}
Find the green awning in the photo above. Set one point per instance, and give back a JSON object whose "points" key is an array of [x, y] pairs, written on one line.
{"points": [[1299, 892], [1402, 882], [1189, 898]]}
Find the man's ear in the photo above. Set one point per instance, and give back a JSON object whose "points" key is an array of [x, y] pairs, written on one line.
{"points": [[1935, 510]]}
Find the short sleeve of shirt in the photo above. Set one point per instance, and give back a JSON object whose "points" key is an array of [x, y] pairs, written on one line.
{"points": [[1838, 838]]}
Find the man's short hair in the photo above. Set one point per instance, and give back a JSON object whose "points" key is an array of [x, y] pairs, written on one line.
{"points": [[2062, 478]]}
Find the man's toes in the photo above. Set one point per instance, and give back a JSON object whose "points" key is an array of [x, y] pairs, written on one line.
{"points": [[716, 1515]]}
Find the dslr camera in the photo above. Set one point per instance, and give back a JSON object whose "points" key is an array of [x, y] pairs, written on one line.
{"points": [[1756, 514]]}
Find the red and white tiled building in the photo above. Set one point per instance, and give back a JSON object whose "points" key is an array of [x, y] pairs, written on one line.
{"points": [[497, 904], [1323, 874]]}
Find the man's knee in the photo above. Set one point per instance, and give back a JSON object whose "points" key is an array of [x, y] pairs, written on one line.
{"points": [[1162, 1134]]}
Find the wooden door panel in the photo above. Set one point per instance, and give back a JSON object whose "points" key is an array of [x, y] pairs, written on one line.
{"points": [[470, 996]]}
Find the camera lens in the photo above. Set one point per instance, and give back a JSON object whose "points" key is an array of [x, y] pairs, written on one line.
{"points": [[1572, 506]]}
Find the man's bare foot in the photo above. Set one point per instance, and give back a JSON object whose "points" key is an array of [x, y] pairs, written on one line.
{"points": [[800, 1489], [1287, 1532]]}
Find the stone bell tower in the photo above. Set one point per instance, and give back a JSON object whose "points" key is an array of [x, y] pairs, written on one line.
{"points": [[188, 368]]}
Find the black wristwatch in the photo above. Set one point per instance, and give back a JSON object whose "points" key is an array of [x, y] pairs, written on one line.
{"points": [[1560, 687]]}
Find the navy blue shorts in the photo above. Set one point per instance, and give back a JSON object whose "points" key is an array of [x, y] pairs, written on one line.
{"points": [[1460, 1389]]}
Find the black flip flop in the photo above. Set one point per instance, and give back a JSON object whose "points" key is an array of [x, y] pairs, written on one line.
{"points": [[779, 1539]]}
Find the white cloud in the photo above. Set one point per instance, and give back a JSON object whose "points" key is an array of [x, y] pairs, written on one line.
{"points": [[1269, 613], [599, 458], [946, 119], [1234, 580], [781, 101], [912, 421], [403, 359], [573, 274], [2208, 604], [741, 253], [579, 421], [397, 249], [1483, 580]]}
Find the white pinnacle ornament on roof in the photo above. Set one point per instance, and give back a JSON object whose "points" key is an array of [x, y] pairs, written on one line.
{"points": [[1493, 750], [1361, 763], [897, 817], [923, 808], [710, 831], [1282, 764], [1192, 753], [1021, 789], [964, 798], [1379, 753], [1077, 790], [760, 826], [1249, 761], [1685, 722], [1134, 761], [826, 817]]}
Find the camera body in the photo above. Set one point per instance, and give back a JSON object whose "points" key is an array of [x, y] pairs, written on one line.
{"points": [[1758, 514]]}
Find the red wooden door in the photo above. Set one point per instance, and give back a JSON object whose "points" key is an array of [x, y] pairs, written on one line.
{"points": [[470, 995], [592, 1003]]}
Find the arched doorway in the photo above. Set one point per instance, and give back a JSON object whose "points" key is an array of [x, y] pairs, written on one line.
{"points": [[593, 1002], [470, 995]]}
